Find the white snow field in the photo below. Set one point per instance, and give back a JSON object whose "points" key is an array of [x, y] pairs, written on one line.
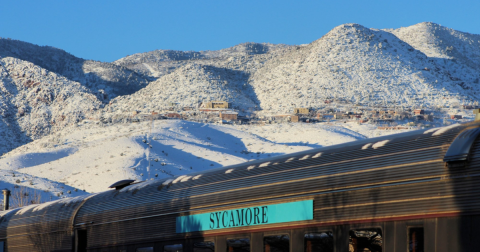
{"points": [[92, 156]]}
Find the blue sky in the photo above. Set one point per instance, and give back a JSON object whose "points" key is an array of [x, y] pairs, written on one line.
{"points": [[107, 30]]}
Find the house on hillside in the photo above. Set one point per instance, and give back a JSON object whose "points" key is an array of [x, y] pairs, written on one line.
{"points": [[173, 116], [294, 118], [419, 112], [216, 104], [228, 115], [302, 111]]}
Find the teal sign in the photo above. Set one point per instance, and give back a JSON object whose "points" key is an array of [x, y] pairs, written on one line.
{"points": [[249, 216]]}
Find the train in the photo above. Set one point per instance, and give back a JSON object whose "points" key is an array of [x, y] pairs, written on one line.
{"points": [[415, 191]]}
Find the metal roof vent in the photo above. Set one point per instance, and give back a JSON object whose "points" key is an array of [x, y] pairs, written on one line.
{"points": [[460, 147], [121, 184]]}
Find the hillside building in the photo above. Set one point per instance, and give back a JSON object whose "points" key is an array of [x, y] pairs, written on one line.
{"points": [[302, 111], [419, 112], [228, 115], [216, 104]]}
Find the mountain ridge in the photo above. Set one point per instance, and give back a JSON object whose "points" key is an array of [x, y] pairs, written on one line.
{"points": [[351, 64]]}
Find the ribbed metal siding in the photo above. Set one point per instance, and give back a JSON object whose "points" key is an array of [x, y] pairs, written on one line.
{"points": [[405, 177], [5, 217], [48, 228]]}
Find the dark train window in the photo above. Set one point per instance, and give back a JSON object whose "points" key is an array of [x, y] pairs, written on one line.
{"points": [[2, 246], [415, 239], [146, 249], [319, 242], [204, 246], [365, 240], [238, 245], [173, 248], [276, 243], [81, 240]]}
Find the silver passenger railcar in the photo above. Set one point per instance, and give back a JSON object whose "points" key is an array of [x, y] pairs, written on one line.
{"points": [[417, 191]]}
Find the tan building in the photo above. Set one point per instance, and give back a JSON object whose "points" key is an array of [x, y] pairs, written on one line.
{"points": [[419, 112], [303, 111], [217, 104], [229, 116]]}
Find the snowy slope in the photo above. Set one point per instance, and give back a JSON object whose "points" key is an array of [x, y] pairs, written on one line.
{"points": [[351, 64], [441, 42], [106, 80], [35, 102], [92, 156], [357, 65], [188, 86], [160, 62]]}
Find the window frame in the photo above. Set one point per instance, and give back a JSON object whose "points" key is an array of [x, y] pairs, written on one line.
{"points": [[168, 244], [363, 227], [408, 235], [243, 236], [279, 233], [206, 240], [321, 231]]}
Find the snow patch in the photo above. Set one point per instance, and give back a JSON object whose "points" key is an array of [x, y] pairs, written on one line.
{"points": [[366, 146], [380, 144], [445, 129]]}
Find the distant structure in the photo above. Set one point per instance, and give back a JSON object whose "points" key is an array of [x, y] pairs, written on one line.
{"points": [[302, 111], [476, 112], [419, 112], [229, 115], [217, 104]]}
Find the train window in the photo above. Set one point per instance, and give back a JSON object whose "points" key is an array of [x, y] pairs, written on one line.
{"points": [[319, 242], [81, 240], [415, 239], [276, 243], [238, 245], [146, 249], [365, 240], [204, 246], [173, 248], [2, 246]]}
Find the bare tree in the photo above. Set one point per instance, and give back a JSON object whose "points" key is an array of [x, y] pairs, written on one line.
{"points": [[23, 196]]}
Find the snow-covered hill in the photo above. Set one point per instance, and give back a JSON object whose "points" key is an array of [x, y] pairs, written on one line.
{"points": [[160, 62], [441, 42], [352, 64], [106, 80], [189, 85], [50, 103], [91, 156], [35, 102], [358, 65]]}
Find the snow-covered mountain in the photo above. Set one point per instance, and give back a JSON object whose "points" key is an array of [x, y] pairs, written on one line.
{"points": [[106, 80], [439, 42], [35, 102], [240, 57], [359, 65], [351, 63], [51, 101]]}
